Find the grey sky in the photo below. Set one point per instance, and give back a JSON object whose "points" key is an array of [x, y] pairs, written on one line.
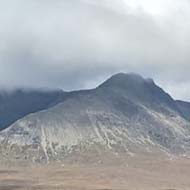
{"points": [[73, 44]]}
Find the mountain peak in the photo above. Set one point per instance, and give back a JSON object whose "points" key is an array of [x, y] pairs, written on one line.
{"points": [[138, 89], [126, 79], [133, 76], [126, 115]]}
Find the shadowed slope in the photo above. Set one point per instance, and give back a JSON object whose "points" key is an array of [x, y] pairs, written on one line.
{"points": [[18, 103]]}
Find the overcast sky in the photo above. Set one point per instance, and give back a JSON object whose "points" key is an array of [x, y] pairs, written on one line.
{"points": [[73, 44]]}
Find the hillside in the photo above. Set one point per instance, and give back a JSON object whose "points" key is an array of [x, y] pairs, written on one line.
{"points": [[125, 116]]}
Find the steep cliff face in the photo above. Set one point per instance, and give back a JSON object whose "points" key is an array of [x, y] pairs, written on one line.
{"points": [[125, 115]]}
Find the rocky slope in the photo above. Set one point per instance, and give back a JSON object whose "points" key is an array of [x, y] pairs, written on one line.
{"points": [[126, 115]]}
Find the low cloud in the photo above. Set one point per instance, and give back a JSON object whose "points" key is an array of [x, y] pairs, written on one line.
{"points": [[73, 44]]}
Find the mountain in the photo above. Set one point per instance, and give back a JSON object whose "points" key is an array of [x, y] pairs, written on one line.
{"points": [[126, 115], [18, 103], [184, 107]]}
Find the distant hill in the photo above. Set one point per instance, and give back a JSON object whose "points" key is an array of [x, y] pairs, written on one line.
{"points": [[18, 103]]}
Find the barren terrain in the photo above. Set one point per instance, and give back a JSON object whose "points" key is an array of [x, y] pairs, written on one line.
{"points": [[136, 174]]}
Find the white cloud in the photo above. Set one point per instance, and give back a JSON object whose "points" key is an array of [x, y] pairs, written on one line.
{"points": [[158, 7]]}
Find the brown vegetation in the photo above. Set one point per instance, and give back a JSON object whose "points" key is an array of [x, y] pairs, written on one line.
{"points": [[136, 174]]}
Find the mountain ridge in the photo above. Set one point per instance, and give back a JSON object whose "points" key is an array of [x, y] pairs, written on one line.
{"points": [[20, 102], [126, 116]]}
